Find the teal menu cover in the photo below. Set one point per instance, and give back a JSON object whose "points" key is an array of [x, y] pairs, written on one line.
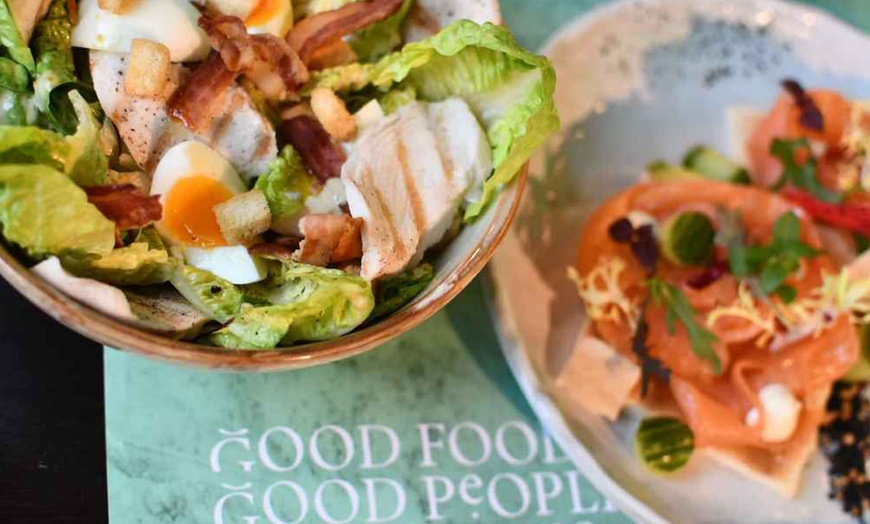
{"points": [[428, 428]]}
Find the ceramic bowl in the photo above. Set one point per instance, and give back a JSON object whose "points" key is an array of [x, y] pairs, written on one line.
{"points": [[455, 268], [640, 81]]}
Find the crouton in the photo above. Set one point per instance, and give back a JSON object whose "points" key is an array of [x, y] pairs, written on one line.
{"points": [[116, 6], [333, 114], [243, 217], [148, 73]]}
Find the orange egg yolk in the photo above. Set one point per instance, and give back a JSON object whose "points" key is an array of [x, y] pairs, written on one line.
{"points": [[187, 212], [264, 12]]}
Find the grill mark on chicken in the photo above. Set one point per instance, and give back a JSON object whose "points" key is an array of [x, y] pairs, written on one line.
{"points": [[410, 185]]}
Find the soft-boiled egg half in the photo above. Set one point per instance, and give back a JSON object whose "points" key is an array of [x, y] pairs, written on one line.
{"points": [[173, 23], [274, 17], [190, 180]]}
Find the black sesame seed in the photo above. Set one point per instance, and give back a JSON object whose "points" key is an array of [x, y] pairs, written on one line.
{"points": [[216, 289]]}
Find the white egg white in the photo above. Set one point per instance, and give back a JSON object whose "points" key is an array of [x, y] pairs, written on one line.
{"points": [[173, 23]]}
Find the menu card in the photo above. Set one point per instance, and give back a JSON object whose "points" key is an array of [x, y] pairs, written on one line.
{"points": [[429, 428]]}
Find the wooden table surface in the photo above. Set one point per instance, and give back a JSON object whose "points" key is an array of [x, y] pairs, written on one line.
{"points": [[52, 441]]}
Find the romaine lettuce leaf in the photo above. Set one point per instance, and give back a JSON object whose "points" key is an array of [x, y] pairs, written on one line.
{"points": [[133, 265], [79, 155], [395, 292], [14, 76], [55, 70], [87, 164], [379, 39], [397, 98], [286, 185], [510, 89], [17, 109], [311, 304], [11, 39], [209, 293], [45, 213]]}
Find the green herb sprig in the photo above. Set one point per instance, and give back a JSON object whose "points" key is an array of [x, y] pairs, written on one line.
{"points": [[678, 308], [773, 263], [804, 174]]}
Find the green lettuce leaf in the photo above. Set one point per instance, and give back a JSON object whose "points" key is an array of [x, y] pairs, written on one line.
{"points": [[14, 76], [135, 265], [45, 213], [510, 89], [11, 39], [311, 304], [55, 69], [209, 293], [397, 98], [380, 39], [396, 292], [79, 155], [87, 163], [17, 109], [286, 185]]}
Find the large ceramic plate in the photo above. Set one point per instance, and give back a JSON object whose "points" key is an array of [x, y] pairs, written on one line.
{"points": [[640, 81]]}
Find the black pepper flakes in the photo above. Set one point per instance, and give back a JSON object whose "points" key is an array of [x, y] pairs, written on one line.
{"points": [[844, 438]]}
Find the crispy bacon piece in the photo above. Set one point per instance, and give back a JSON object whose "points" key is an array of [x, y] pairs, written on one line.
{"points": [[125, 205], [265, 59], [322, 29], [318, 150], [329, 239], [194, 103], [281, 248]]}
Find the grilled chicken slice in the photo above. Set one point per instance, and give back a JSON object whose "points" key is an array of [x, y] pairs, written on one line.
{"points": [[239, 132], [407, 177]]}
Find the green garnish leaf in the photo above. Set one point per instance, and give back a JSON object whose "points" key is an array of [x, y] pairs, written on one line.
{"points": [[678, 309], [790, 153], [773, 263], [664, 444]]}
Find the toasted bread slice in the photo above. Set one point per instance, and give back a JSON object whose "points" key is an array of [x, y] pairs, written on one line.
{"points": [[243, 217], [148, 73]]}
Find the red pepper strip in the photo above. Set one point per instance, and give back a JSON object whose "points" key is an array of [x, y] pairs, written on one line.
{"points": [[853, 217]]}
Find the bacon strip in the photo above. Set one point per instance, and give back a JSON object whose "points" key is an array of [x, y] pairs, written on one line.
{"points": [[322, 29], [194, 103], [318, 150], [281, 248], [267, 60], [125, 205], [329, 239]]}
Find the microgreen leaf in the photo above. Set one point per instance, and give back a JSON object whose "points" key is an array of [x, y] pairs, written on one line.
{"points": [[800, 172], [773, 263], [678, 308]]}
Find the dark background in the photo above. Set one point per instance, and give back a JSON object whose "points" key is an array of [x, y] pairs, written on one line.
{"points": [[52, 440]]}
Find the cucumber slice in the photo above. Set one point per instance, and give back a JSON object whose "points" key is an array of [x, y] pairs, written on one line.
{"points": [[688, 239], [861, 371], [664, 444], [712, 164], [661, 171]]}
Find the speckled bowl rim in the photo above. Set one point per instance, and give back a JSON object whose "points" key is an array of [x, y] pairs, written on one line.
{"points": [[117, 334]]}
